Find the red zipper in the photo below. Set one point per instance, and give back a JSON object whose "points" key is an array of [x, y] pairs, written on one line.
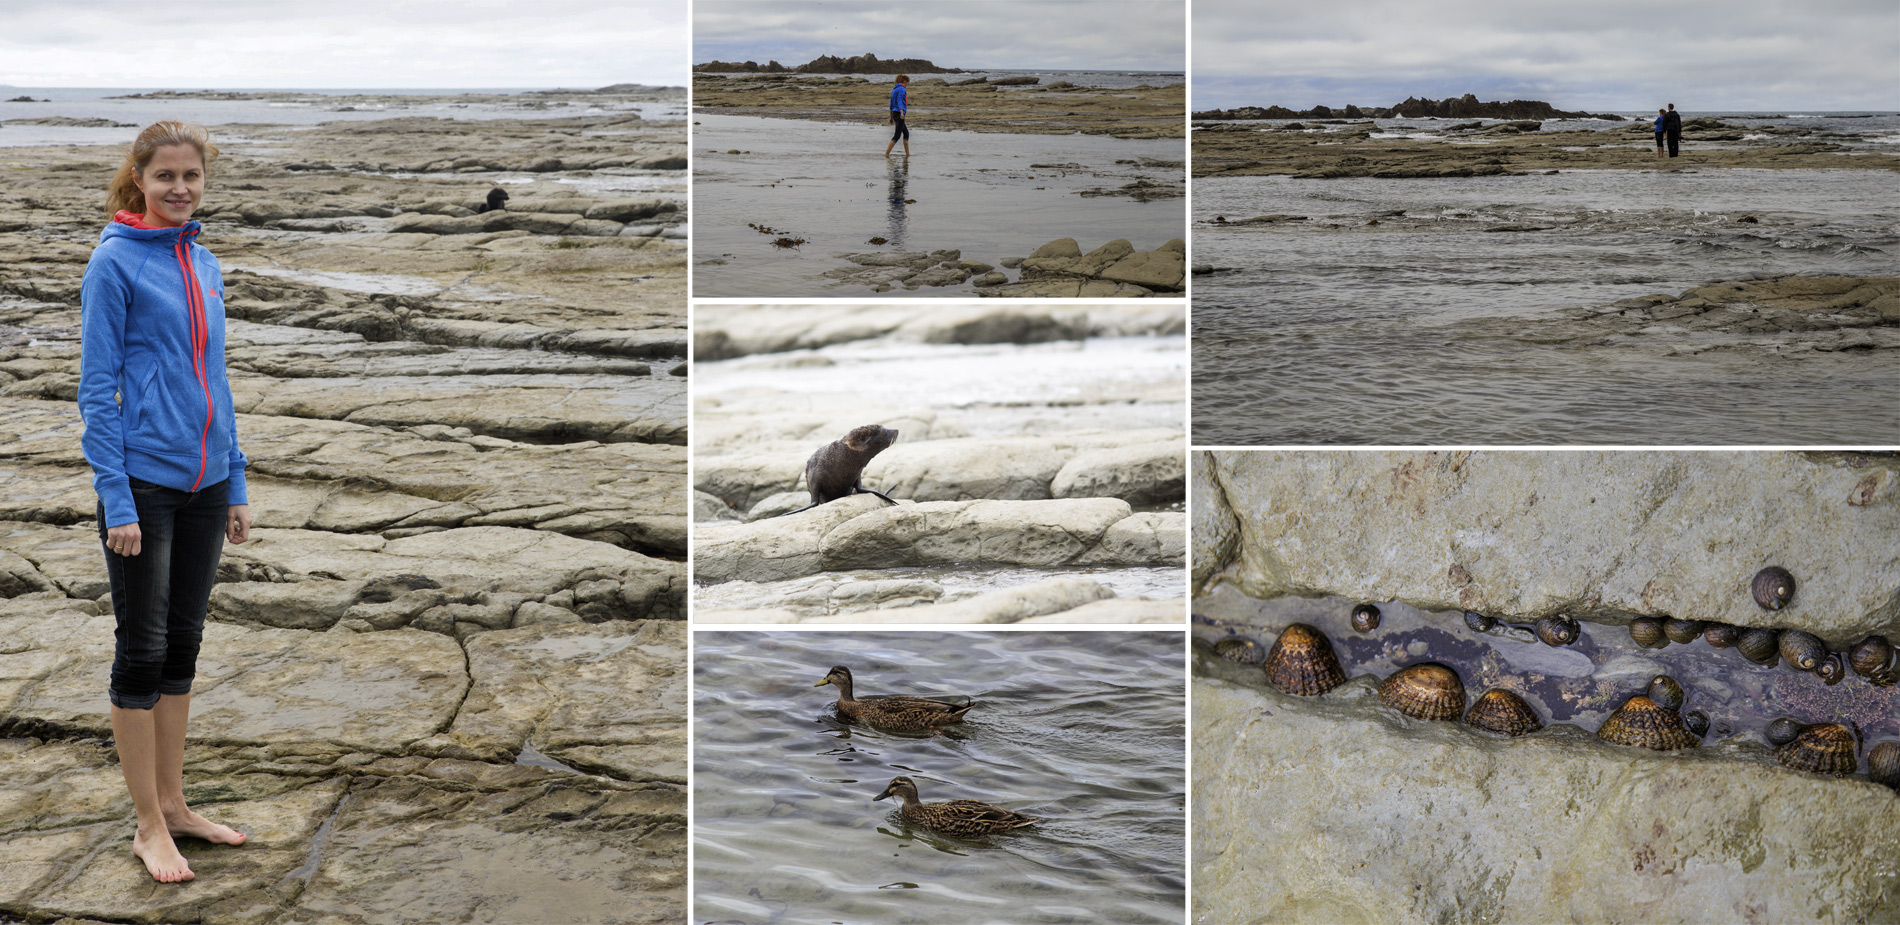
{"points": [[195, 316]]}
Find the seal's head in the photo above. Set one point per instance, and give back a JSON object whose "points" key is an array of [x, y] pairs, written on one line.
{"points": [[871, 438]]}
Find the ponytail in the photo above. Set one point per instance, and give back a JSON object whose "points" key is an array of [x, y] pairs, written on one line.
{"points": [[123, 194]]}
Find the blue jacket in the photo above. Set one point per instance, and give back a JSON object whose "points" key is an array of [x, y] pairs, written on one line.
{"points": [[1660, 119], [900, 99], [152, 386]]}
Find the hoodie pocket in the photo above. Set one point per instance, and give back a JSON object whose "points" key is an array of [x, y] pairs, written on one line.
{"points": [[138, 400]]}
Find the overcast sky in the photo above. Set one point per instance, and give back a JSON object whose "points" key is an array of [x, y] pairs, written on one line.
{"points": [[1116, 35], [1598, 56], [321, 44]]}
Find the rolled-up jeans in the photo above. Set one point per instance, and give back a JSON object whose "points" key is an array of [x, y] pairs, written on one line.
{"points": [[159, 596]]}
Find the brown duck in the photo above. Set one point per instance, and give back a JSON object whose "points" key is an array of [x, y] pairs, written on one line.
{"points": [[896, 712], [956, 817]]}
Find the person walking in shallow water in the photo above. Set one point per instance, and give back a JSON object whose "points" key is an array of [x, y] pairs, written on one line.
{"points": [[161, 437], [1672, 126], [900, 108], [1661, 129]]}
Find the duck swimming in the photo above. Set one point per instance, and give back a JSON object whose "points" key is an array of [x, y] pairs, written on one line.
{"points": [[896, 712], [956, 817]]}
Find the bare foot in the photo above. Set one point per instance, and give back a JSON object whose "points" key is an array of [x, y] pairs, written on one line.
{"points": [[161, 857], [191, 825]]}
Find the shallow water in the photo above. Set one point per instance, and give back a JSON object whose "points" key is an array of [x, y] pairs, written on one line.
{"points": [[978, 192], [1157, 582], [1579, 684], [1335, 331], [1084, 730]]}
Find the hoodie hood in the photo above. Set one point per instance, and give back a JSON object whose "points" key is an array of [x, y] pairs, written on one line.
{"points": [[132, 225]]}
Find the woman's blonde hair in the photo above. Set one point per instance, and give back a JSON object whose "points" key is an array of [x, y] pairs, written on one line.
{"points": [[124, 194]]}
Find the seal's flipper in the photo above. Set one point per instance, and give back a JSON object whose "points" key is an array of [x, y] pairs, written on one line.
{"points": [[859, 489]]}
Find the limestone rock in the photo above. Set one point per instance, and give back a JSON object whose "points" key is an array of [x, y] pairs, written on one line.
{"points": [[1551, 826], [1603, 536]]}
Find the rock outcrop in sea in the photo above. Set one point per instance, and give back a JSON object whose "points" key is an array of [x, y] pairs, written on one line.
{"points": [[830, 64], [1464, 107]]}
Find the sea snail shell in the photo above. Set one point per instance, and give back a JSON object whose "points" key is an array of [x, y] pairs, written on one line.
{"points": [[1761, 646], [1648, 632], [1365, 618], [1883, 764], [1782, 731], [1681, 631], [1558, 631], [1722, 635], [1666, 693], [1773, 587], [1802, 650]]}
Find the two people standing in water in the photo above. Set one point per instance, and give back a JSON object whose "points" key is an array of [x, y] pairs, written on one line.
{"points": [[1669, 129], [161, 438], [900, 108]]}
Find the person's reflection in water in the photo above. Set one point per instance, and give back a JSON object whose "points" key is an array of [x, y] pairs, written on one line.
{"points": [[900, 175]]}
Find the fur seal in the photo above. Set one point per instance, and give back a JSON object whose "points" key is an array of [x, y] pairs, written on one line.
{"points": [[496, 197], [836, 470]]}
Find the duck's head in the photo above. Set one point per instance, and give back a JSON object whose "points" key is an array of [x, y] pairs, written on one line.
{"points": [[838, 675], [900, 787]]}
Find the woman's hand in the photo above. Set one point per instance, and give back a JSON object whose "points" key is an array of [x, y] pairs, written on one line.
{"points": [[237, 523], [123, 539]]}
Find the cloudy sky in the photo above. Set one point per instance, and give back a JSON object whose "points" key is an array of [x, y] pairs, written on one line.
{"points": [[1601, 55], [1130, 35], [343, 43]]}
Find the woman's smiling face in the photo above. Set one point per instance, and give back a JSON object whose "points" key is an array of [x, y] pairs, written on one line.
{"points": [[173, 182]]}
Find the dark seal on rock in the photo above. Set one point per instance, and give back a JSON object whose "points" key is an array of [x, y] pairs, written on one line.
{"points": [[496, 197], [836, 470]]}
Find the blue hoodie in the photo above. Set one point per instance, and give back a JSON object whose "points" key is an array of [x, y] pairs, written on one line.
{"points": [[900, 99], [152, 386]]}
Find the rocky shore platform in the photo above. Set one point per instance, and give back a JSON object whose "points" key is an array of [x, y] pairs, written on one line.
{"points": [[1058, 492], [454, 649], [1056, 270], [978, 105], [1557, 823], [1345, 148]]}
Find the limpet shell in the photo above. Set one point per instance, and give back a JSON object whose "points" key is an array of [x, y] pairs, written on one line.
{"points": [[1365, 618], [1824, 748], [1773, 587], [1504, 713], [1302, 662], [1640, 723], [1425, 691], [1244, 651]]}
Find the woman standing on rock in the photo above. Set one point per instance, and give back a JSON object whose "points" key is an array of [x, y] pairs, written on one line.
{"points": [[161, 437]]}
